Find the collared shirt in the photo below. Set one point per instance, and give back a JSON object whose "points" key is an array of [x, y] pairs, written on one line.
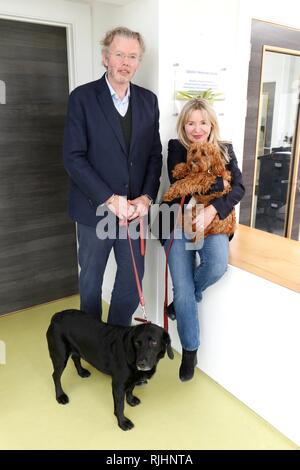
{"points": [[120, 105]]}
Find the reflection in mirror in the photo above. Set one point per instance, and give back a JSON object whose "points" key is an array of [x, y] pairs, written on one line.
{"points": [[276, 153]]}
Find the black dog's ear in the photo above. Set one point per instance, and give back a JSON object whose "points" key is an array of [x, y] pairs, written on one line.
{"points": [[129, 347], [167, 341]]}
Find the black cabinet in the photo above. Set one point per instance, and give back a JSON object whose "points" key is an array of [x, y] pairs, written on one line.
{"points": [[272, 190]]}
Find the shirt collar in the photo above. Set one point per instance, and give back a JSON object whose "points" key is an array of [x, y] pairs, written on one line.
{"points": [[114, 93]]}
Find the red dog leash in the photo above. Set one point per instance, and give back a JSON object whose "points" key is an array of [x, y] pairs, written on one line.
{"points": [[136, 274], [137, 280], [142, 236]]}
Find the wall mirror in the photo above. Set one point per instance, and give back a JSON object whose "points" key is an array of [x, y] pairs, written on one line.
{"points": [[276, 191]]}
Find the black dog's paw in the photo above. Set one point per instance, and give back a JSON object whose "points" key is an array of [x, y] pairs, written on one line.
{"points": [[126, 424], [84, 373], [63, 399], [133, 401]]}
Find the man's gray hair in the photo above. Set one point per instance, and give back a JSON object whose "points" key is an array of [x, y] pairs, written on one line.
{"points": [[121, 31]]}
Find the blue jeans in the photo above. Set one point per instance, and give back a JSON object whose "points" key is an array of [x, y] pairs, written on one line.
{"points": [[190, 280], [93, 255]]}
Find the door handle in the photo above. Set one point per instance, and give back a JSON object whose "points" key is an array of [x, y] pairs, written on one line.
{"points": [[2, 92]]}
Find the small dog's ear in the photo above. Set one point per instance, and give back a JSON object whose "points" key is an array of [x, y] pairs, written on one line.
{"points": [[167, 341], [217, 163], [180, 171]]}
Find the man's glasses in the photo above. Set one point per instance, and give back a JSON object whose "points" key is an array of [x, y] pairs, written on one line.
{"points": [[120, 56]]}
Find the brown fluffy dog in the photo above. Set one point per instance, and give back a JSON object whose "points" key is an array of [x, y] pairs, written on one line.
{"points": [[196, 176]]}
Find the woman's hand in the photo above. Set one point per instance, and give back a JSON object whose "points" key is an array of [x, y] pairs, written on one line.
{"points": [[205, 218], [196, 220], [225, 183]]}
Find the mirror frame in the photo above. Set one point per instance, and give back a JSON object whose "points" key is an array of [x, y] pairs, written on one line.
{"points": [[295, 156]]}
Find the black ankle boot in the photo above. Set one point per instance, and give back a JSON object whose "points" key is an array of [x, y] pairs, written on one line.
{"points": [[170, 311], [188, 363]]}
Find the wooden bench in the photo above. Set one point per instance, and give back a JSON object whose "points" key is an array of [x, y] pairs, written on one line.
{"points": [[269, 256]]}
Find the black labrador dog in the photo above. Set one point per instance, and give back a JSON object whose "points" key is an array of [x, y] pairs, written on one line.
{"points": [[128, 354]]}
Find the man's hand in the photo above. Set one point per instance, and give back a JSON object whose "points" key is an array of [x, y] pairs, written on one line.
{"points": [[140, 206], [121, 207]]}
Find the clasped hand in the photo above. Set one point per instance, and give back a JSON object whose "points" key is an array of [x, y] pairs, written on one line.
{"points": [[129, 209]]}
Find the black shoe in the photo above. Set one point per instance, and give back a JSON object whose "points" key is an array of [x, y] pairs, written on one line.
{"points": [[188, 363], [170, 311]]}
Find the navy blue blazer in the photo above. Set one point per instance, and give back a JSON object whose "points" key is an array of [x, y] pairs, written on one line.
{"points": [[95, 152]]}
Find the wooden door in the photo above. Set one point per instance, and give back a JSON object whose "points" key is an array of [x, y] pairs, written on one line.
{"points": [[37, 240]]}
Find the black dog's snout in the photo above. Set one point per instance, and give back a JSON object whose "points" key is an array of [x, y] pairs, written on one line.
{"points": [[142, 364]]}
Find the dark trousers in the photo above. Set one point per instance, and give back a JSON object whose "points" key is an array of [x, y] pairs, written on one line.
{"points": [[93, 254]]}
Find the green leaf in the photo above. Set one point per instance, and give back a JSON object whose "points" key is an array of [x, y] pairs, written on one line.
{"points": [[208, 95]]}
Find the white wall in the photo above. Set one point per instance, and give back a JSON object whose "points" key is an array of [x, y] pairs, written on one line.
{"points": [[139, 15], [104, 18], [142, 16], [250, 345], [193, 33]]}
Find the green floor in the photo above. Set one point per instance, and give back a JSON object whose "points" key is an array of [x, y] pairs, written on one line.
{"points": [[173, 415]]}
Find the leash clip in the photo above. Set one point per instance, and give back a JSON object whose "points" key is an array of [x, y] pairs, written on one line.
{"points": [[144, 312], [144, 319]]}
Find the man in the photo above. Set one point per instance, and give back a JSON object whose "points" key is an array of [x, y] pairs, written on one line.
{"points": [[112, 152]]}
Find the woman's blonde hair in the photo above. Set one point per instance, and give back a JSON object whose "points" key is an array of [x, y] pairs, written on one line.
{"points": [[200, 104]]}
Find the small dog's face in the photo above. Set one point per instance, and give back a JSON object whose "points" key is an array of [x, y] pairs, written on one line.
{"points": [[150, 343], [204, 158]]}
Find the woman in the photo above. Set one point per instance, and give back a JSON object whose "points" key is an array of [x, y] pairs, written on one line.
{"points": [[197, 122]]}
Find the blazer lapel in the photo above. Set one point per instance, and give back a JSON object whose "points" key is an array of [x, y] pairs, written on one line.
{"points": [[109, 111], [136, 115]]}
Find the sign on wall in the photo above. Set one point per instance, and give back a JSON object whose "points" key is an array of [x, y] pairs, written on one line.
{"points": [[205, 81]]}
